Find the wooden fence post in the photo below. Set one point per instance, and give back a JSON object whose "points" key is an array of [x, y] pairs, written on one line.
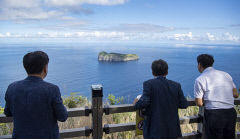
{"points": [[201, 128], [97, 111]]}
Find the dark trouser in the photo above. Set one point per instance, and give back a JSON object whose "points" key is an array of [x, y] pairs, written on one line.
{"points": [[220, 123], [170, 138]]}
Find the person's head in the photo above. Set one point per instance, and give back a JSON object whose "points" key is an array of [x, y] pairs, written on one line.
{"points": [[204, 61], [159, 68], [36, 63]]}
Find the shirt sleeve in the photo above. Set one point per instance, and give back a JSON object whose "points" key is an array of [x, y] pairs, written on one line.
{"points": [[198, 90], [233, 84], [7, 110], [145, 99], [59, 109], [231, 80], [183, 104]]}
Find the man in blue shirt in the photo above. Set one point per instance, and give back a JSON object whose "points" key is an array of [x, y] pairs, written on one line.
{"points": [[35, 104], [161, 99]]}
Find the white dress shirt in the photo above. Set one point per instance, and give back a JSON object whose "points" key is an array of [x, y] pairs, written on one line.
{"points": [[216, 89]]}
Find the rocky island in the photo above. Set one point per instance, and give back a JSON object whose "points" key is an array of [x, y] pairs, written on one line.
{"points": [[116, 57]]}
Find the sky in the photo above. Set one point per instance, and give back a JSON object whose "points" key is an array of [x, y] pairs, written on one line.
{"points": [[121, 21]]}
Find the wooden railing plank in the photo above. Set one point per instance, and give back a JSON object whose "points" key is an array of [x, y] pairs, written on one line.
{"points": [[193, 135], [112, 128], [191, 102], [73, 112], [66, 133], [6, 137], [238, 135], [75, 132], [238, 118], [4, 119], [76, 112], [110, 109], [237, 101], [190, 119]]}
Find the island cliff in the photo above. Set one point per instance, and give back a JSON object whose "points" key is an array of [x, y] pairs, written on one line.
{"points": [[104, 56]]}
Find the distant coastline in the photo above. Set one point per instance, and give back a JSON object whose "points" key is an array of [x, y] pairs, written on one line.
{"points": [[116, 57]]}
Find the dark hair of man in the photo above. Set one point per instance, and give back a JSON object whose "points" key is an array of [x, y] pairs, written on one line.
{"points": [[205, 60], [34, 62], [159, 67]]}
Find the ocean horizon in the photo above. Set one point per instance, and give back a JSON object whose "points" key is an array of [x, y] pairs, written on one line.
{"points": [[75, 67]]}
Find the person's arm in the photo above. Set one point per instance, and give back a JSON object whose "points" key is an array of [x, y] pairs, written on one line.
{"points": [[198, 93], [199, 102], [183, 104], [7, 110], [145, 99], [136, 99], [235, 93], [59, 109]]}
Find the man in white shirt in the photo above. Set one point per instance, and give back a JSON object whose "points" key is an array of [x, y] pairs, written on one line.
{"points": [[215, 90]]}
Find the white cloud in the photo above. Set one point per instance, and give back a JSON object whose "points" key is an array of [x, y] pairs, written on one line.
{"points": [[181, 37], [47, 9], [210, 37], [95, 34], [1, 35], [141, 28], [25, 10], [20, 4], [99, 35], [230, 37], [80, 2], [8, 34]]}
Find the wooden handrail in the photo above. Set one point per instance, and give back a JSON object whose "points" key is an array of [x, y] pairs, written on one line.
{"points": [[97, 111]]}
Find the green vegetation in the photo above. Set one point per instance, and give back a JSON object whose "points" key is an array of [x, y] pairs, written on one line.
{"points": [[122, 55], [103, 53], [5, 128], [104, 56], [113, 100], [74, 101]]}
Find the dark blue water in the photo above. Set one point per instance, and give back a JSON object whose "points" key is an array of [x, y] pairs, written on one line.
{"points": [[74, 67]]}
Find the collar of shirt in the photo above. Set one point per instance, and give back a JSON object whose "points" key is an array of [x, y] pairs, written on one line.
{"points": [[34, 78], [208, 69], [155, 77]]}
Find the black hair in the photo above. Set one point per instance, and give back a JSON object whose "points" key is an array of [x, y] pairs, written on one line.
{"points": [[159, 67], [205, 60], [34, 62]]}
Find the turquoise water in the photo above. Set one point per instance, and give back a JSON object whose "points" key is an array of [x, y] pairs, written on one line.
{"points": [[74, 67]]}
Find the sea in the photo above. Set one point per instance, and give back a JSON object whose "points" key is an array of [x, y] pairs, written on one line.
{"points": [[74, 67]]}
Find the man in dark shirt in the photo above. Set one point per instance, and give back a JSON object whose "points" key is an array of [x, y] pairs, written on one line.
{"points": [[35, 104], [161, 99]]}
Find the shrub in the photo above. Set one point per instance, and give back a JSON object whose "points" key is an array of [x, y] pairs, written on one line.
{"points": [[74, 101], [4, 128], [113, 100]]}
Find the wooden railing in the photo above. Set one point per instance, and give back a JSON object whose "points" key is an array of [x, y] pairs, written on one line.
{"points": [[97, 110]]}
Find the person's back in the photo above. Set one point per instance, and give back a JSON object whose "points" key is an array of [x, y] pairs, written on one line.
{"points": [[166, 99], [215, 90], [36, 106], [217, 86], [161, 99]]}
